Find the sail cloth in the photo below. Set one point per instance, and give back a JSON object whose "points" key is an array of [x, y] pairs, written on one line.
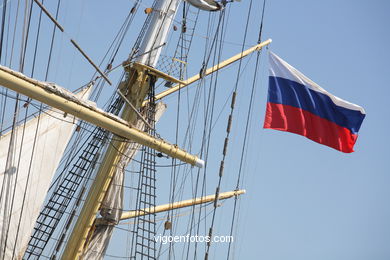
{"points": [[298, 105], [111, 208], [206, 5], [29, 157], [210, 5]]}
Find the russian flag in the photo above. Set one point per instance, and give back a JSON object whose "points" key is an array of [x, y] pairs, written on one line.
{"points": [[298, 105]]}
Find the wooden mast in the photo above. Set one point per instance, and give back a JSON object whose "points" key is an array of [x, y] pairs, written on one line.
{"points": [[135, 89], [39, 91], [136, 94]]}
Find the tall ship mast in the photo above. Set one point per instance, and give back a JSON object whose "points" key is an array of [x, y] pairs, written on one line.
{"points": [[76, 174]]}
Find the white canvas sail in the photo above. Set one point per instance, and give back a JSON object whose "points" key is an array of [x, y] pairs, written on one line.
{"points": [[29, 157]]}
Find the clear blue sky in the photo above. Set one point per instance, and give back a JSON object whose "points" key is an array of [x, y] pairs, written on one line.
{"points": [[304, 201], [307, 201]]}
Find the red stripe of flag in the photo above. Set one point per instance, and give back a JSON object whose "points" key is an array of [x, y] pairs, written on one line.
{"points": [[299, 121]]}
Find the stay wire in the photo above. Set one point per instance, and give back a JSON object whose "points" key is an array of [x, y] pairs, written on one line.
{"points": [[189, 136], [97, 132], [214, 94], [28, 176], [135, 48], [204, 149], [28, 12], [246, 129], [116, 44], [36, 43], [183, 54], [8, 34], [209, 141], [22, 139], [52, 42], [174, 169], [3, 27], [14, 34], [24, 53], [6, 94], [38, 122], [5, 187], [25, 35], [10, 64]]}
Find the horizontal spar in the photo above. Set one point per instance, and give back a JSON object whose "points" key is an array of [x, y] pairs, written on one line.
{"points": [[55, 97], [180, 204], [210, 70]]}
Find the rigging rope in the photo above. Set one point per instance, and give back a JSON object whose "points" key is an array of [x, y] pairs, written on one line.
{"points": [[3, 27], [25, 120], [174, 170], [12, 188], [6, 187], [116, 44], [204, 149], [40, 107], [4, 101], [24, 52], [228, 130], [246, 128], [36, 43], [209, 116]]}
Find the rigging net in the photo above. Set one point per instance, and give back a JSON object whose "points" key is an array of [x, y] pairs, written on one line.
{"points": [[144, 244], [71, 178]]}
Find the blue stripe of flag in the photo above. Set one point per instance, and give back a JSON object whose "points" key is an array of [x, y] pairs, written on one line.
{"points": [[288, 92]]}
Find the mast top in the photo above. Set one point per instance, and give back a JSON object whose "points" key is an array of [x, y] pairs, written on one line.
{"points": [[156, 35]]}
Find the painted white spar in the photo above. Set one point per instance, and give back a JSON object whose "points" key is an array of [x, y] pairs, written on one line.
{"points": [[162, 17], [210, 5]]}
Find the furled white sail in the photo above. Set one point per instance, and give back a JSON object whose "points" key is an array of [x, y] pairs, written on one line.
{"points": [[111, 209], [29, 156], [206, 5], [210, 5]]}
